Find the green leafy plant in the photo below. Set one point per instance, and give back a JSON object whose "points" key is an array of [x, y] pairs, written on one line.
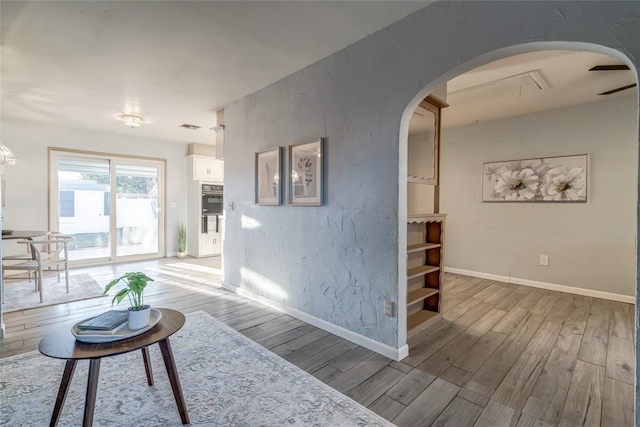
{"points": [[182, 238], [135, 284]]}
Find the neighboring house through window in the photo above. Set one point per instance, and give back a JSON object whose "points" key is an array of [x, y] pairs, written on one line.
{"points": [[67, 204], [107, 204]]}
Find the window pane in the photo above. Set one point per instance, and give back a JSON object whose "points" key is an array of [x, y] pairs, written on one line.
{"points": [[67, 204], [82, 184], [136, 209]]}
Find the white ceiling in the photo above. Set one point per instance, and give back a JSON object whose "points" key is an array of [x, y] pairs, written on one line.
{"points": [[85, 63], [506, 88]]}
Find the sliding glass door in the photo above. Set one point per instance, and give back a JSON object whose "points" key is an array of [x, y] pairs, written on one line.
{"points": [[110, 204], [137, 219]]}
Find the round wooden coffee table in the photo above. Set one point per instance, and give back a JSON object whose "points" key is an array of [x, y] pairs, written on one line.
{"points": [[61, 344]]}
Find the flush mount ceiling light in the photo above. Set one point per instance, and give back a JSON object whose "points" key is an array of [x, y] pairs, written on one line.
{"points": [[132, 121]]}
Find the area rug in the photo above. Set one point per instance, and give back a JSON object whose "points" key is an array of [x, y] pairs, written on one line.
{"points": [[227, 380], [21, 295]]}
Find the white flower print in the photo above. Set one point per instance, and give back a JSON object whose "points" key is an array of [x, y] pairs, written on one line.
{"points": [[517, 185], [539, 166], [492, 171], [562, 184]]}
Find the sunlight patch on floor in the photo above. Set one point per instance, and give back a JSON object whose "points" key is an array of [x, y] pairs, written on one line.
{"points": [[215, 291], [195, 267], [179, 275]]}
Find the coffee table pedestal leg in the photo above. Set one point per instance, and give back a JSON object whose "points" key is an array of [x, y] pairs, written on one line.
{"points": [[169, 363], [67, 376], [92, 391]]}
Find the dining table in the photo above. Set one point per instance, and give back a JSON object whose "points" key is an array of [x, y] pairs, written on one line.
{"points": [[23, 234]]}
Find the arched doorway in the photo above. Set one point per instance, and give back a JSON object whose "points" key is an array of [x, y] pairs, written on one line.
{"points": [[403, 141], [403, 161]]}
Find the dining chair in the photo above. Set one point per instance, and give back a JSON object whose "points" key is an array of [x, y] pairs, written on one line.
{"points": [[28, 254], [53, 253], [25, 256]]}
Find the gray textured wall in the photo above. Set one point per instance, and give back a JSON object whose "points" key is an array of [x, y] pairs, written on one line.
{"points": [[339, 261]]}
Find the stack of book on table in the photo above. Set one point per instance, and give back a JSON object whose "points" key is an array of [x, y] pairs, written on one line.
{"points": [[105, 324]]}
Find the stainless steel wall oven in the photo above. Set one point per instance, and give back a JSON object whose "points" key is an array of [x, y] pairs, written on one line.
{"points": [[212, 207]]}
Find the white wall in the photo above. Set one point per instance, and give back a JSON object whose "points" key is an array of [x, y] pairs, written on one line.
{"points": [[590, 245], [27, 183]]}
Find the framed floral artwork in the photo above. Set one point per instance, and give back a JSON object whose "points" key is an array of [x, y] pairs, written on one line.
{"points": [[549, 179], [268, 173], [306, 173]]}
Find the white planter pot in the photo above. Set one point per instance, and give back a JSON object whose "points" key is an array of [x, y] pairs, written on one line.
{"points": [[182, 255], [138, 319]]}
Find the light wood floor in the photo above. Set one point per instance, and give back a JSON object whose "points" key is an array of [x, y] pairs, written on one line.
{"points": [[503, 355]]}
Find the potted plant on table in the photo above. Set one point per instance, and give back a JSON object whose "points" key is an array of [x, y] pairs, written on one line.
{"points": [[182, 241], [135, 283]]}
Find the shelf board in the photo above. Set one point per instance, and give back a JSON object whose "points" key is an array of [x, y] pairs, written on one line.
{"points": [[421, 271], [424, 218], [417, 320], [422, 247], [420, 180], [420, 294]]}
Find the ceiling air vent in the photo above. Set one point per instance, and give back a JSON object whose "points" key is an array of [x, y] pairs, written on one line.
{"points": [[190, 127]]}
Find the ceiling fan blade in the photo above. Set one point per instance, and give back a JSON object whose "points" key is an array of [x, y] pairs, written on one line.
{"points": [[620, 67], [620, 89]]}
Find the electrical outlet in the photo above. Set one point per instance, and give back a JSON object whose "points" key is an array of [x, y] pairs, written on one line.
{"points": [[388, 308], [544, 260]]}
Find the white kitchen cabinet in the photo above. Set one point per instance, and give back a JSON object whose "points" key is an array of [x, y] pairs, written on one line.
{"points": [[207, 169], [202, 170], [210, 244]]}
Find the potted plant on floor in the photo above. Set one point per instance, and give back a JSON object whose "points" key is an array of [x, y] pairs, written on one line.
{"points": [[182, 241], [135, 283]]}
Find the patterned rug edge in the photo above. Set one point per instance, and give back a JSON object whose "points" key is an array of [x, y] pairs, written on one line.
{"points": [[269, 353], [45, 304], [261, 350]]}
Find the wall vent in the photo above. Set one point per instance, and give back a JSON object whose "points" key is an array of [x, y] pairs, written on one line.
{"points": [[190, 127]]}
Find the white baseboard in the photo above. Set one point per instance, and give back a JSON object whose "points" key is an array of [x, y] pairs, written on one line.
{"points": [[378, 347], [543, 285]]}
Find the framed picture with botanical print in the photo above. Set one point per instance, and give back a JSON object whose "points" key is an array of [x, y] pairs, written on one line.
{"points": [[268, 173], [306, 173], [548, 179]]}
